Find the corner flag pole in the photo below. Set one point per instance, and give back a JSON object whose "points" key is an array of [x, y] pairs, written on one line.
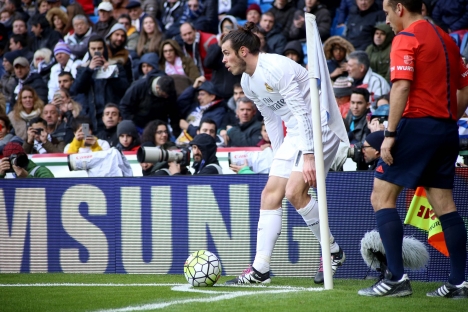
{"points": [[312, 46]]}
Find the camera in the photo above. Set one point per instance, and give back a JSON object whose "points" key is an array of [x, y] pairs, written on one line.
{"points": [[19, 160], [355, 153], [147, 154], [38, 130]]}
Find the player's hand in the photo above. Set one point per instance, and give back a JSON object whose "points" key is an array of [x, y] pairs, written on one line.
{"points": [[237, 168], [309, 171], [385, 150]]}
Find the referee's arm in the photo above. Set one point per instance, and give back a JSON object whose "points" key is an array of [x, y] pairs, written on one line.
{"points": [[462, 101], [398, 98]]}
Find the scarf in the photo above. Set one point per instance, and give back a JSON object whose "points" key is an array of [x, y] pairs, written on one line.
{"points": [[20, 85], [195, 116], [31, 115], [176, 69]]}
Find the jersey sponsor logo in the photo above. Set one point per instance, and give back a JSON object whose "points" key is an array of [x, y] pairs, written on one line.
{"points": [[465, 74], [268, 88], [379, 169], [279, 104], [405, 68], [408, 59]]}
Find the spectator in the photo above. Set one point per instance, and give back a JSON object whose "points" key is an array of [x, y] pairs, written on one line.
{"points": [[39, 141], [248, 131], [342, 11], [379, 50], [78, 41], [42, 63], [44, 36], [132, 34], [87, 5], [120, 7], [361, 21], [208, 126], [173, 61], [74, 10], [51, 116], [157, 134], [15, 10], [230, 117], [253, 13], [32, 170], [148, 62], [208, 105], [204, 155], [150, 37], [358, 68], [343, 87], [426, 10], [451, 15], [153, 8], [371, 149], [29, 106], [151, 98], [383, 100], [58, 20], [82, 144], [356, 118], [323, 19], [232, 7], [8, 81], [62, 54], [99, 91], [222, 79], [293, 50], [5, 135], [66, 81], [194, 14], [275, 40], [106, 20], [261, 34], [20, 27], [283, 15], [195, 44], [173, 12], [111, 119], [26, 78], [29, 6], [136, 15], [129, 140], [42, 7], [56, 4], [379, 116], [19, 43], [117, 40], [67, 104], [336, 50]]}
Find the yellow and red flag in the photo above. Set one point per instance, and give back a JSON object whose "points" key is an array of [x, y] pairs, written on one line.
{"points": [[420, 215]]}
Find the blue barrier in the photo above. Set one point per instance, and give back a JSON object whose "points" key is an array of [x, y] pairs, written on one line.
{"points": [[150, 225]]}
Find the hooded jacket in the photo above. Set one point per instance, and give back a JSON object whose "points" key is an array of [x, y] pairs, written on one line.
{"points": [[151, 59], [207, 146], [333, 64], [120, 55], [295, 46], [379, 56], [190, 69], [140, 105]]}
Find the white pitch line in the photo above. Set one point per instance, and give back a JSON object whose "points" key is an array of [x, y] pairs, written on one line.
{"points": [[87, 285]]}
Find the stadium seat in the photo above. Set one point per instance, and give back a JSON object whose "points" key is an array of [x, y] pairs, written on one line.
{"points": [[463, 43], [304, 50], [455, 38], [94, 19], [252, 2], [241, 22], [265, 7]]}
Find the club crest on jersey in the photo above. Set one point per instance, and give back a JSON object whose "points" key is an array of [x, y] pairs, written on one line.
{"points": [[268, 88], [408, 59]]}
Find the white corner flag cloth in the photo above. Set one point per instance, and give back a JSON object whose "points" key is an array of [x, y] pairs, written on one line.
{"points": [[318, 69]]}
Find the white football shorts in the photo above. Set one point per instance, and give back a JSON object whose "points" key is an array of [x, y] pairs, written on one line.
{"points": [[288, 158]]}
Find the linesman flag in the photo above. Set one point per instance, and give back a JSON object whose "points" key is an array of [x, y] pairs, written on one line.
{"points": [[420, 215]]}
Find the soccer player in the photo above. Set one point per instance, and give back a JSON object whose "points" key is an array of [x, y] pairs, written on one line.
{"points": [[280, 89], [421, 143]]}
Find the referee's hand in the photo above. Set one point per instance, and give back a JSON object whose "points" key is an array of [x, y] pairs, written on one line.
{"points": [[309, 171], [385, 150]]}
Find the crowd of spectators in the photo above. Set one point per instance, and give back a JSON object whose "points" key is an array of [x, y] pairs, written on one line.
{"points": [[151, 72]]}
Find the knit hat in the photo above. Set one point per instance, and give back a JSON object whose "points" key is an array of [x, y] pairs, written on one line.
{"points": [[61, 47], [343, 86], [254, 7], [105, 6], [116, 27], [375, 139], [11, 56], [12, 148], [21, 61], [127, 127]]}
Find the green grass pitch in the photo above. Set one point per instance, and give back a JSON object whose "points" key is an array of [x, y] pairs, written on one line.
{"points": [[114, 292]]}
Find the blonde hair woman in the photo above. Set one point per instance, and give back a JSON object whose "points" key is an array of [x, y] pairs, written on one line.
{"points": [[27, 107], [150, 37]]}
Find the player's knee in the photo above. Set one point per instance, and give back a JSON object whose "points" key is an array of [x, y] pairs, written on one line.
{"points": [[271, 199], [294, 195]]}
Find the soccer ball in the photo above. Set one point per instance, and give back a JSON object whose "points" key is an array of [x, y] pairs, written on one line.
{"points": [[202, 268]]}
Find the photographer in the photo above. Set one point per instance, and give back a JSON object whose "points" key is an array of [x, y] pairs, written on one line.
{"points": [[150, 167], [84, 140], [39, 141], [16, 161], [371, 149]]}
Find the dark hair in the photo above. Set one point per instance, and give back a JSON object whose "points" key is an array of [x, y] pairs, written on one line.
{"points": [[270, 14], [166, 84], [38, 120], [361, 57], [150, 131], [114, 106], [125, 16], [78, 121], [244, 37], [21, 39], [362, 91], [190, 24], [237, 85], [413, 6], [6, 121], [39, 19], [65, 73], [384, 96], [209, 121], [97, 38]]}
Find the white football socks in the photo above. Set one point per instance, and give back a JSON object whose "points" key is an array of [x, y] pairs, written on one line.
{"points": [[310, 214], [269, 229]]}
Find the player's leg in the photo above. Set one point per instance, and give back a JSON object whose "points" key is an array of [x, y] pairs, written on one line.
{"points": [[442, 204], [269, 229]]}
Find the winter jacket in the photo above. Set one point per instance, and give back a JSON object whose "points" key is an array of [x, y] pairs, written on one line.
{"points": [[323, 18], [132, 39], [199, 49], [140, 105], [8, 83], [376, 84], [238, 9], [79, 45], [190, 69], [360, 26], [275, 40], [451, 14], [40, 172], [50, 147], [207, 146], [48, 39], [170, 18], [103, 28], [150, 58], [360, 130], [379, 56], [109, 135], [36, 82], [246, 134], [295, 46], [284, 17]]}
